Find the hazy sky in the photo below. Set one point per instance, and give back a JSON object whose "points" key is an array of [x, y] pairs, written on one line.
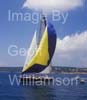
{"points": [[71, 28]]}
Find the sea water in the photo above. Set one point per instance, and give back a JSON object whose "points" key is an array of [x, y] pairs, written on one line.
{"points": [[47, 92]]}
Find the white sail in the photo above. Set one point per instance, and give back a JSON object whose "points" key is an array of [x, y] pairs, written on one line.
{"points": [[47, 70], [32, 49]]}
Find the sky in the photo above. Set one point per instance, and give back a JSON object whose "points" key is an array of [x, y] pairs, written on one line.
{"points": [[70, 26]]}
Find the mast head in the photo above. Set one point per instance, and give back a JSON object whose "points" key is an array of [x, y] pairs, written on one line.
{"points": [[43, 19]]}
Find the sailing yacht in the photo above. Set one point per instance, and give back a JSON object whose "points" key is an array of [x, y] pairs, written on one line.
{"points": [[41, 51]]}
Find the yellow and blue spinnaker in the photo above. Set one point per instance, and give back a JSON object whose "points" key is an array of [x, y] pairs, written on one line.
{"points": [[44, 53]]}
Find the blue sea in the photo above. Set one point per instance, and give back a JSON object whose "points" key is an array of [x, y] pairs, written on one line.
{"points": [[47, 92]]}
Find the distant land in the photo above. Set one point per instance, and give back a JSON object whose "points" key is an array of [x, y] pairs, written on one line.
{"points": [[55, 69], [71, 70]]}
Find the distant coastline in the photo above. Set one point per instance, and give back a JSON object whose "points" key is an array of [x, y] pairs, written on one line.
{"points": [[69, 70], [55, 69]]}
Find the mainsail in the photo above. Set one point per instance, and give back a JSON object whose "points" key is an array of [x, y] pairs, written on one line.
{"points": [[40, 62]]}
